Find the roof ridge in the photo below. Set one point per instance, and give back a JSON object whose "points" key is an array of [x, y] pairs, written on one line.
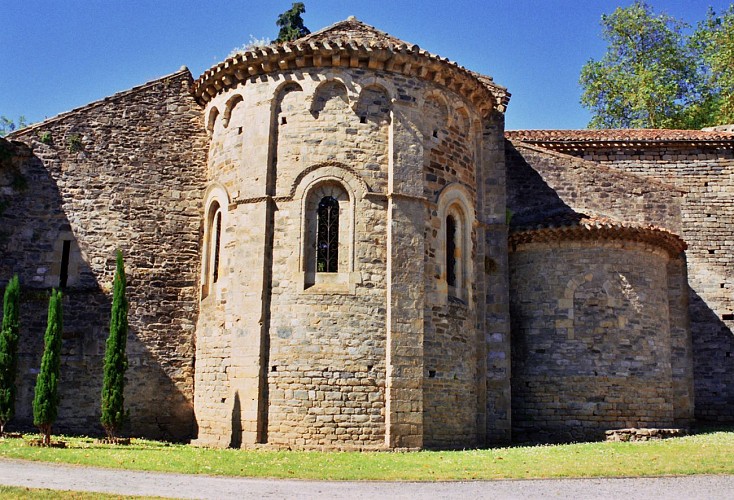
{"points": [[350, 19], [99, 102]]}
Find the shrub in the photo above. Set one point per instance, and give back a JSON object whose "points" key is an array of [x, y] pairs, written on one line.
{"points": [[46, 399], [115, 360], [9, 351], [45, 137], [74, 141]]}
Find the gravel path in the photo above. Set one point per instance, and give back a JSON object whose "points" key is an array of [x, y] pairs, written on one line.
{"points": [[66, 477]]}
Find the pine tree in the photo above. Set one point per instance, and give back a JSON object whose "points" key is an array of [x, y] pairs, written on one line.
{"points": [[291, 25], [46, 400], [9, 351], [115, 360]]}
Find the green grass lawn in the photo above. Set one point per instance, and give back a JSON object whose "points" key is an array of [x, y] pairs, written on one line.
{"points": [[709, 453], [36, 493]]}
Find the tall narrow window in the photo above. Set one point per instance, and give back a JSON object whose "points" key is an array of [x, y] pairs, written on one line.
{"points": [[327, 236], [64, 273], [450, 250], [454, 251], [211, 264], [217, 242]]}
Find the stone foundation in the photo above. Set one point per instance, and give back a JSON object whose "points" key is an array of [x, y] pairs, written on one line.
{"points": [[634, 434]]}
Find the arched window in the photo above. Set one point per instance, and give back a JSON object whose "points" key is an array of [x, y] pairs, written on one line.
{"points": [[327, 258], [212, 248], [451, 250], [216, 244], [327, 236], [454, 244]]}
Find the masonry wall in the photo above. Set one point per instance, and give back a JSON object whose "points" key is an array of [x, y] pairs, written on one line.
{"points": [[492, 273], [706, 174], [591, 339], [451, 340], [303, 362], [549, 188], [544, 184], [326, 364], [125, 172], [371, 356]]}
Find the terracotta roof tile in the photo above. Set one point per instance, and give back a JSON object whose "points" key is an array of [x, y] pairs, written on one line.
{"points": [[351, 43], [567, 219], [617, 135], [352, 29], [579, 226]]}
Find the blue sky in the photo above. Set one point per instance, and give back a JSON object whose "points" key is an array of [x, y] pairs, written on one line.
{"points": [[61, 54]]}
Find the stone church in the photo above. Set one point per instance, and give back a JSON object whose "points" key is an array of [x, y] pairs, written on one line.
{"points": [[333, 243]]}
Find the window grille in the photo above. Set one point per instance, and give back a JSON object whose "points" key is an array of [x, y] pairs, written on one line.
{"points": [[327, 236]]}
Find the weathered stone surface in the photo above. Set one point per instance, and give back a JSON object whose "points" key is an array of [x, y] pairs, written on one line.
{"points": [[635, 434], [126, 172], [374, 355], [700, 166], [591, 339], [317, 236]]}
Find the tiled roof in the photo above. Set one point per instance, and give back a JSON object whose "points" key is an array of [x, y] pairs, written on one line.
{"points": [[352, 30], [617, 136], [352, 44], [579, 226]]}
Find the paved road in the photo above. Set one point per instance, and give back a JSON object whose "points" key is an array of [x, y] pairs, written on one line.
{"points": [[66, 477]]}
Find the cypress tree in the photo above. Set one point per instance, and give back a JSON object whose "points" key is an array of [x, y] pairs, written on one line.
{"points": [[115, 360], [46, 400], [9, 351]]}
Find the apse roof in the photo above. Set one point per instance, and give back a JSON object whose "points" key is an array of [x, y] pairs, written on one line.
{"points": [[352, 44], [591, 227]]}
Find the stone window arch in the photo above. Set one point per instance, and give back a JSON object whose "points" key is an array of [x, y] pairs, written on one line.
{"points": [[215, 219], [374, 106], [285, 104], [455, 247], [453, 261], [328, 234], [331, 98], [436, 119], [229, 108], [212, 119], [455, 251]]}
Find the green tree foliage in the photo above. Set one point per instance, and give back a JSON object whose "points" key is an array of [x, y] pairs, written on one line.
{"points": [[7, 125], [713, 45], [115, 360], [654, 75], [646, 74], [291, 25], [9, 336], [46, 399]]}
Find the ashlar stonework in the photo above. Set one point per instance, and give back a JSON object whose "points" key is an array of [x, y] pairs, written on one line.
{"points": [[333, 243]]}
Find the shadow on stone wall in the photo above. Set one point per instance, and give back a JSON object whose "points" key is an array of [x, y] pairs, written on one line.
{"points": [[236, 439], [713, 364], [529, 197], [35, 225]]}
